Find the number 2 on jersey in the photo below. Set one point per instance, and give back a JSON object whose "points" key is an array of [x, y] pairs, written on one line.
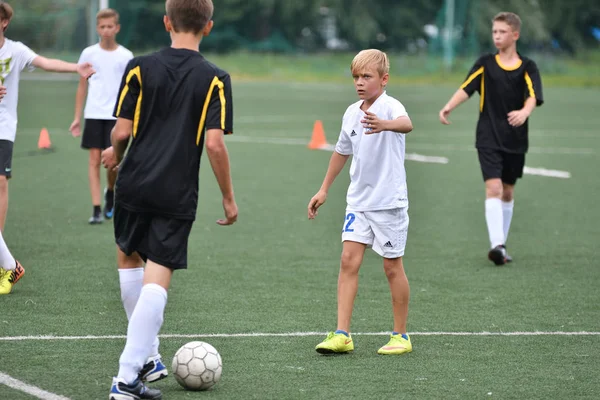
{"points": [[350, 218]]}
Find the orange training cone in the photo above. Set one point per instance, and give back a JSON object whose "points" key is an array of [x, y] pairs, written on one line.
{"points": [[318, 140], [44, 141]]}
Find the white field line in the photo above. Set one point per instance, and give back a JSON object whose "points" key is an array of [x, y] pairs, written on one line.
{"points": [[291, 334], [547, 172], [29, 389]]}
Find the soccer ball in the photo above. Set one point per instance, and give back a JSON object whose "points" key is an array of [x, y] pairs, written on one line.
{"points": [[197, 366]]}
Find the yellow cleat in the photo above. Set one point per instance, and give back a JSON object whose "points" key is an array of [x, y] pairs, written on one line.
{"points": [[397, 345], [335, 343], [8, 278]]}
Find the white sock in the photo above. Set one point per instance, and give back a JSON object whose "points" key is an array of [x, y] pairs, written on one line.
{"points": [[507, 213], [144, 325], [494, 219], [7, 261], [132, 280]]}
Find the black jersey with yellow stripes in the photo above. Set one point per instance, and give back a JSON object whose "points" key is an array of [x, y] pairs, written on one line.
{"points": [[502, 89], [172, 96]]}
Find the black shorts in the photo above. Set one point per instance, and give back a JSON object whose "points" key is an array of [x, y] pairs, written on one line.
{"points": [[163, 240], [499, 164], [6, 153], [96, 133]]}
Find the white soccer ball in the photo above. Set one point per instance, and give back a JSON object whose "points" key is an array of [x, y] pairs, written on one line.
{"points": [[197, 366]]}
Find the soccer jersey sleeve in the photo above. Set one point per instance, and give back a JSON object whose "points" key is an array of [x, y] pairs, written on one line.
{"points": [[473, 82], [397, 110], [533, 80], [344, 144], [219, 114], [130, 91], [25, 56]]}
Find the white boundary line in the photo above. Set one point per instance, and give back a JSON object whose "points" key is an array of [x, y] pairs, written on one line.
{"points": [[292, 334], [29, 389]]}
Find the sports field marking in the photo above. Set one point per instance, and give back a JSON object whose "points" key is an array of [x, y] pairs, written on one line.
{"points": [[547, 172], [29, 389], [288, 334]]}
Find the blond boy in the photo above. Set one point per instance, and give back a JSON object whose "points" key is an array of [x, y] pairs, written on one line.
{"points": [[376, 216], [110, 59], [510, 87]]}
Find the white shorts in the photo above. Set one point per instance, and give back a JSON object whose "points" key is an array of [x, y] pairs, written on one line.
{"points": [[385, 231]]}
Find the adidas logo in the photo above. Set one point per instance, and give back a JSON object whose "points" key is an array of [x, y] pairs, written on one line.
{"points": [[353, 133], [388, 244]]}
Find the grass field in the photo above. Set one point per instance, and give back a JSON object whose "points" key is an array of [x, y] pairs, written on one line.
{"points": [[275, 272]]}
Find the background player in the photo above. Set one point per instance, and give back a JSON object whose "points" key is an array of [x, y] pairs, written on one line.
{"points": [[510, 87], [109, 59], [14, 57], [167, 100], [377, 212]]}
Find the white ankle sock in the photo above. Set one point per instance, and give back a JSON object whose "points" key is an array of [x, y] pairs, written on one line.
{"points": [[494, 220], [144, 325], [507, 213], [7, 261], [132, 280]]}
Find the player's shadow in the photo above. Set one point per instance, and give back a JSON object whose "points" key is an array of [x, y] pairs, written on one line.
{"points": [[34, 153]]}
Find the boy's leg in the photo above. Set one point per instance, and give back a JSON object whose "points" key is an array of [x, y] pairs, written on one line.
{"points": [[95, 187], [491, 162], [356, 236], [93, 141], [394, 271], [10, 269], [390, 228], [146, 321], [512, 170], [6, 151], [3, 201], [351, 259]]}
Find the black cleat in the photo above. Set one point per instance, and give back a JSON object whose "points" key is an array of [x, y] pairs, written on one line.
{"points": [[135, 391], [498, 255]]}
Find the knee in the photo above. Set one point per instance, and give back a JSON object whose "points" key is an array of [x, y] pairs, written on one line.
{"points": [[393, 267], [508, 193], [3, 183], [493, 188], [350, 262]]}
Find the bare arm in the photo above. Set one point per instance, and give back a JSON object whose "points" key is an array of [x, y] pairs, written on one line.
{"points": [[53, 65], [336, 164], [459, 97], [120, 137], [219, 161], [518, 117], [85, 70], [399, 125], [80, 97], [79, 100]]}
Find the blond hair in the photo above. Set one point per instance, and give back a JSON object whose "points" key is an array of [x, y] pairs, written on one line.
{"points": [[189, 15], [370, 58], [511, 19], [107, 13]]}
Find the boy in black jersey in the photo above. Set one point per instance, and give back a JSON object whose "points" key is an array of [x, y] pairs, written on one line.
{"points": [[510, 87], [171, 105]]}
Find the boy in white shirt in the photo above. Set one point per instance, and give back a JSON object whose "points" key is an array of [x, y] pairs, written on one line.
{"points": [[110, 59], [376, 214], [15, 57]]}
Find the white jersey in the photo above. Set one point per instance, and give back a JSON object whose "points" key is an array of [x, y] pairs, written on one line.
{"points": [[14, 57], [377, 175], [103, 86]]}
